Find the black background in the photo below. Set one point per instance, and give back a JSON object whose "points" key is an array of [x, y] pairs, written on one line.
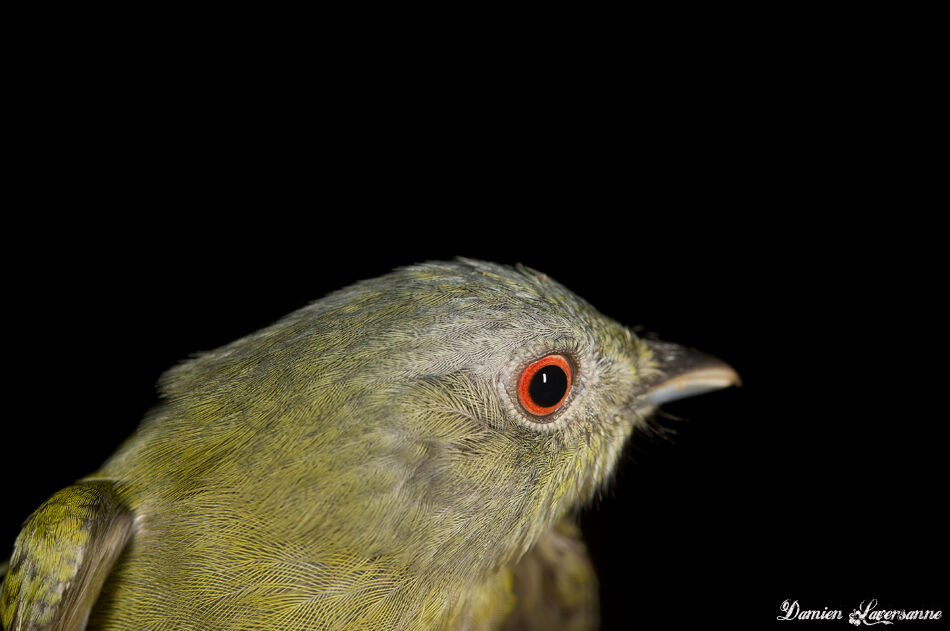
{"points": [[771, 211]]}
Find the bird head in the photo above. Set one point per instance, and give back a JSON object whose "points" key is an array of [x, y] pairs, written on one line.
{"points": [[443, 416]]}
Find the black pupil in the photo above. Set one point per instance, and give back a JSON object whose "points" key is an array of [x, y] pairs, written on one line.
{"points": [[548, 386]]}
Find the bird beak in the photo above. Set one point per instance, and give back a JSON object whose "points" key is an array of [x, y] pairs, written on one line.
{"points": [[685, 372]]}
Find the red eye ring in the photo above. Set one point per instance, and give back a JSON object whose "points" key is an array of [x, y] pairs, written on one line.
{"points": [[525, 397]]}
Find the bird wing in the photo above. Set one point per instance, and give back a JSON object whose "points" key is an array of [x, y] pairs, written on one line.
{"points": [[62, 557], [555, 585]]}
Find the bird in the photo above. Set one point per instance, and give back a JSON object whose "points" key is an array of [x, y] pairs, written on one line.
{"points": [[407, 453]]}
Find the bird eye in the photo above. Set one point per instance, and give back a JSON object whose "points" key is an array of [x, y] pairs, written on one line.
{"points": [[544, 385]]}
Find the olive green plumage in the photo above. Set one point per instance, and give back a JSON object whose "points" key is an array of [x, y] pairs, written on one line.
{"points": [[361, 464]]}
